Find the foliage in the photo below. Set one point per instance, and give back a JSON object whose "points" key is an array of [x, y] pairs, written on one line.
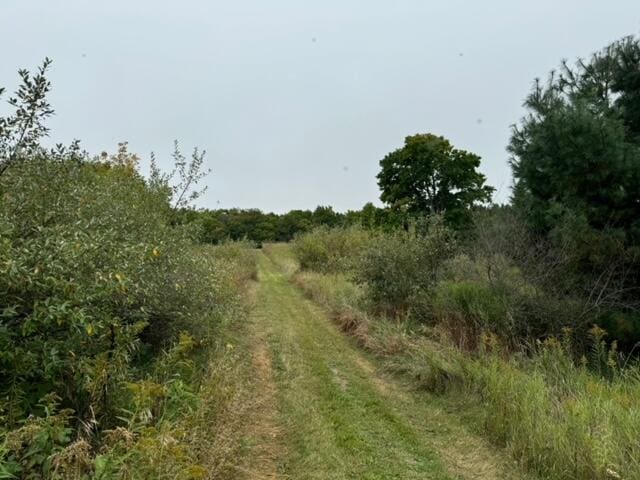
{"points": [[84, 260], [20, 132], [578, 149], [95, 285], [400, 269], [189, 173], [429, 176], [576, 163], [472, 307], [111, 315], [331, 250], [217, 226]]}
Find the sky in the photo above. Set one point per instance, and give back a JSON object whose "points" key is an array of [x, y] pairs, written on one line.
{"points": [[297, 102]]}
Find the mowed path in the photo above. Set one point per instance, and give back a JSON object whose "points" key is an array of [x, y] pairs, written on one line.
{"points": [[329, 414]]}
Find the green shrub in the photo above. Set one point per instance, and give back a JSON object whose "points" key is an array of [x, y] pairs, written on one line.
{"points": [[84, 256], [400, 269], [331, 250], [109, 311], [95, 283], [489, 292]]}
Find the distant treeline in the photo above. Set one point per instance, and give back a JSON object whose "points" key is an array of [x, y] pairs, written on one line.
{"points": [[216, 226]]}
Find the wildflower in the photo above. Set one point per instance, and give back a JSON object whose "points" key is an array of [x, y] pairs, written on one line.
{"points": [[155, 252]]}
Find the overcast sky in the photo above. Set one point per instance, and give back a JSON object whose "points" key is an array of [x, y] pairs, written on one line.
{"points": [[297, 101]]}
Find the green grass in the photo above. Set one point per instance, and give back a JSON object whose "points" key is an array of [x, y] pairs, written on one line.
{"points": [[342, 419]]}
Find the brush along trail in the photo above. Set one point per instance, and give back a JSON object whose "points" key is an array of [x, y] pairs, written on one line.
{"points": [[331, 414]]}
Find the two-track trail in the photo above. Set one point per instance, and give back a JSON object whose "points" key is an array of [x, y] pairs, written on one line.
{"points": [[328, 413]]}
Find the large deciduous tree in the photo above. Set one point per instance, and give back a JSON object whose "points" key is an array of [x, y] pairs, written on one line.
{"points": [[429, 176]]}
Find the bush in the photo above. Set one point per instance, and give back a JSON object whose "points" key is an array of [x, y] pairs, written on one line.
{"points": [[84, 253], [331, 250], [95, 283], [400, 269], [541, 278]]}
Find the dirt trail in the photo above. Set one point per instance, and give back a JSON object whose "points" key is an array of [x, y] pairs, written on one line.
{"points": [[327, 411]]}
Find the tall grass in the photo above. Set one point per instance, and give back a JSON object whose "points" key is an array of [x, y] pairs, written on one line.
{"points": [[558, 418]]}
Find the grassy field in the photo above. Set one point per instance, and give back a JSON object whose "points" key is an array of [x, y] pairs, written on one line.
{"points": [[330, 413]]}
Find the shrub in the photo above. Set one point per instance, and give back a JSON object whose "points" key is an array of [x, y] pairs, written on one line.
{"points": [[331, 250], [574, 278], [95, 283], [400, 269], [84, 253]]}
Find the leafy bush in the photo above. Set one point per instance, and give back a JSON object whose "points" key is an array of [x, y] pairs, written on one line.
{"points": [[485, 293], [400, 269], [331, 250], [95, 283]]}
